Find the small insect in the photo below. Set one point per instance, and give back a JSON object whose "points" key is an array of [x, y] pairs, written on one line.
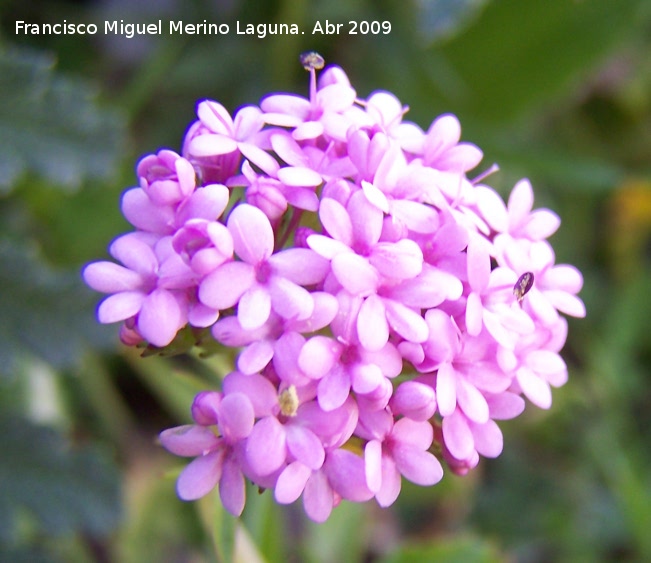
{"points": [[311, 60], [522, 286]]}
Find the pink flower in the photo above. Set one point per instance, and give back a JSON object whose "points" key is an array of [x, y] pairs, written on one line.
{"points": [[151, 286], [396, 449], [217, 456], [262, 282], [385, 310]]}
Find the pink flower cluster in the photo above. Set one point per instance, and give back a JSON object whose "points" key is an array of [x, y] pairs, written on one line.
{"points": [[388, 308]]}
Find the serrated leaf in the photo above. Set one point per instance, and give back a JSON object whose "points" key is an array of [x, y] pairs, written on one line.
{"points": [[44, 313], [50, 125], [63, 489]]}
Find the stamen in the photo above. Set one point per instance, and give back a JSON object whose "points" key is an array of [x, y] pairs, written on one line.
{"points": [[288, 401], [494, 168], [311, 60]]}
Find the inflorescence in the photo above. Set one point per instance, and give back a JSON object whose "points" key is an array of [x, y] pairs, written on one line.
{"points": [[384, 305]]}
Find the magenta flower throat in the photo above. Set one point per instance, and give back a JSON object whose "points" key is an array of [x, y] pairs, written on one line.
{"points": [[387, 309]]}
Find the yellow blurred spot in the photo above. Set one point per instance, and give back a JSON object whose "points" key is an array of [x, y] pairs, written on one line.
{"points": [[631, 225]]}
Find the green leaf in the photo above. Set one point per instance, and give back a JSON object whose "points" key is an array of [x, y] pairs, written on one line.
{"points": [[518, 55], [45, 313], [51, 126], [440, 19], [61, 488]]}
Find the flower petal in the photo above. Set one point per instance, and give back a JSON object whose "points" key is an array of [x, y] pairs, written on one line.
{"points": [[160, 317], [200, 476], [266, 446], [253, 237], [291, 482]]}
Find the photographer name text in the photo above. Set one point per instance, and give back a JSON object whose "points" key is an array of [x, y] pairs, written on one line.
{"points": [[179, 27]]}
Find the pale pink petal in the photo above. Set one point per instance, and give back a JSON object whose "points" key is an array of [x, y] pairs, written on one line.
{"points": [[406, 322], [266, 446], [253, 237], [235, 416], [335, 97], [472, 402], [300, 265], [308, 130], [160, 317], [327, 247], [334, 388], [299, 176], [418, 217], [255, 357], [462, 157], [566, 303], [136, 253], [247, 122], [365, 218], [223, 288], [189, 440], [201, 316], [286, 351], [304, 445], [415, 400], [391, 483], [232, 490], [417, 465], [520, 203], [288, 150], [200, 476], [505, 406], [563, 277], [143, 214], [372, 326], [492, 208], [336, 221], [399, 260], [318, 355], [260, 392], [479, 265], [120, 306], [254, 307], [291, 482], [260, 158], [373, 465], [286, 104], [375, 196], [536, 389], [355, 273], [542, 224], [488, 438], [474, 314], [211, 145], [457, 435], [289, 300], [446, 393], [347, 475], [318, 497], [215, 117], [366, 378]]}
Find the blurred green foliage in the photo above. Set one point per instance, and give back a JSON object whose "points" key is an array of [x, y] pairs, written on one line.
{"points": [[556, 90]]}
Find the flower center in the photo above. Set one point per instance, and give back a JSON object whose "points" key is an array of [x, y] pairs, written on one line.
{"points": [[263, 272]]}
